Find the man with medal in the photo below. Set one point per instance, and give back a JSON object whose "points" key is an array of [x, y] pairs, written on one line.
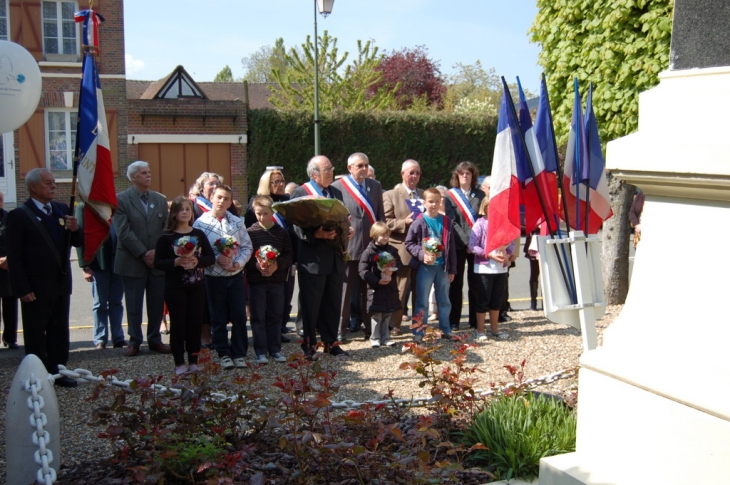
{"points": [[363, 197]]}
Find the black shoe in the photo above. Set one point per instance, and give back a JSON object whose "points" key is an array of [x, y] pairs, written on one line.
{"points": [[454, 328], [287, 330], [337, 350], [121, 344], [285, 339], [309, 352], [503, 318], [65, 381], [10, 345], [447, 336]]}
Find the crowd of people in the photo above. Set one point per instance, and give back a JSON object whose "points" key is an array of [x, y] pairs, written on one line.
{"points": [[210, 266]]}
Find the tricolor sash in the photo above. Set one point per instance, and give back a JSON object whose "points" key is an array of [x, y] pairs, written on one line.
{"points": [[279, 220], [313, 188], [458, 197], [361, 199], [204, 204]]}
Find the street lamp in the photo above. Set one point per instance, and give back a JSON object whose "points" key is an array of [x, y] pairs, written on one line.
{"points": [[325, 8]]}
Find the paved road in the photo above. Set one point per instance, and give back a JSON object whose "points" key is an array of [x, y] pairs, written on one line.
{"points": [[81, 321]]}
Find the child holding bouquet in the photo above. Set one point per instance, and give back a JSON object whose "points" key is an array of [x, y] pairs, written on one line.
{"points": [[378, 263], [267, 274], [182, 252], [491, 270], [430, 241]]}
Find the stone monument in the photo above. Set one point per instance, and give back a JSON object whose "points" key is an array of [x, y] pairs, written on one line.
{"points": [[654, 400]]}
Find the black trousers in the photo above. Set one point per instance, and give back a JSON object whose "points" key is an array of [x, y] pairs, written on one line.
{"points": [[456, 290], [9, 318], [45, 328], [321, 302], [186, 305]]}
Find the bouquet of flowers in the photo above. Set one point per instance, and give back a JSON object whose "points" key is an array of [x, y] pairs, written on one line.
{"points": [[434, 246], [385, 262], [185, 246], [266, 255], [227, 246]]}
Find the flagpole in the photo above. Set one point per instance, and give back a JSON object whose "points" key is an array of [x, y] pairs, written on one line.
{"points": [[576, 160], [559, 171], [534, 178]]}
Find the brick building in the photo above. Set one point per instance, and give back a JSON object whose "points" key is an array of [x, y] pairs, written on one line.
{"points": [[174, 123]]}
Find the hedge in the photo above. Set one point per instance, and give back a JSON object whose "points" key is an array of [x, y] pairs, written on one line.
{"points": [[438, 141]]}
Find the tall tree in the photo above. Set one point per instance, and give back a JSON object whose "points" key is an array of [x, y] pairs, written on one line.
{"points": [[224, 76], [260, 64], [413, 76], [341, 85], [620, 46]]}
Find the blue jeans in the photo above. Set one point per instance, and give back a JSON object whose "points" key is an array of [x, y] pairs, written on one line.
{"points": [[433, 275], [107, 290], [227, 303]]}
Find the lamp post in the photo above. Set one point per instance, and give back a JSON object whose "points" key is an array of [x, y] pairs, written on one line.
{"points": [[325, 8]]}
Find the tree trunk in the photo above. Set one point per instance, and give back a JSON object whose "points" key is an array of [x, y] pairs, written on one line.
{"points": [[616, 240]]}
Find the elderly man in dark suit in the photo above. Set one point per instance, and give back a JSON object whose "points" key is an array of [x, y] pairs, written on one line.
{"points": [[321, 267], [139, 222], [363, 197], [38, 260], [399, 217]]}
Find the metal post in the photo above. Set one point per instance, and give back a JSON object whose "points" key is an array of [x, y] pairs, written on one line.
{"points": [[316, 84]]}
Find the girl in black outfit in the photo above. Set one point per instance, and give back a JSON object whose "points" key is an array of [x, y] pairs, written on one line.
{"points": [[182, 252]]}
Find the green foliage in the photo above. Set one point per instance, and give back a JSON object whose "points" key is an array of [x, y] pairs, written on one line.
{"points": [[341, 86], [437, 140], [224, 76], [619, 45], [260, 64], [519, 429]]}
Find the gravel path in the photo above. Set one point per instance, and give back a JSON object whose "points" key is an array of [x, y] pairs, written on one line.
{"points": [[367, 375]]}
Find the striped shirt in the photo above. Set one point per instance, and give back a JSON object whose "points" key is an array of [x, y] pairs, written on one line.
{"points": [[228, 225]]}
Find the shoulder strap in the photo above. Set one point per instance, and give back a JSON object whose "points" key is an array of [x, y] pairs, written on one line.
{"points": [[44, 233]]}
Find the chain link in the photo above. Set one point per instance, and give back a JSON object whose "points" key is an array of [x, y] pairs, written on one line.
{"points": [[41, 438], [83, 375]]}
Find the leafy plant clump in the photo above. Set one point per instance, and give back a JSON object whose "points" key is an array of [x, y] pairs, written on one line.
{"points": [[519, 428]]}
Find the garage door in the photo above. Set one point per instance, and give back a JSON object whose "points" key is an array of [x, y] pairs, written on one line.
{"points": [[176, 166]]}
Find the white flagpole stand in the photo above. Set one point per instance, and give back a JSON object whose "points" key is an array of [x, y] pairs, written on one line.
{"points": [[583, 262]]}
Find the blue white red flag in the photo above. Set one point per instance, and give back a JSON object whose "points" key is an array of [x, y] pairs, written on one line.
{"points": [[504, 202], [542, 191], [95, 183], [586, 196]]}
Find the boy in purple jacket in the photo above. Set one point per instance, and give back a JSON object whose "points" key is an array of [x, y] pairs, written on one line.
{"points": [[430, 241]]}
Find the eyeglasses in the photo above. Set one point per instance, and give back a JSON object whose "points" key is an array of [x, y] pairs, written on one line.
{"points": [[326, 170], [277, 182], [361, 165], [414, 172]]}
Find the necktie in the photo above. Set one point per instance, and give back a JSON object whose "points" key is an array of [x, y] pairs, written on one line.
{"points": [[143, 198], [413, 195], [362, 188], [326, 193], [47, 208]]}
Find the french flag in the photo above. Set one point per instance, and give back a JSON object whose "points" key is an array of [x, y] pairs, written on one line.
{"points": [[95, 181], [503, 212], [587, 200], [542, 190]]}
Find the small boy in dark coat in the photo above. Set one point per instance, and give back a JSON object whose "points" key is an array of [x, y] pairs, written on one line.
{"points": [[377, 264]]}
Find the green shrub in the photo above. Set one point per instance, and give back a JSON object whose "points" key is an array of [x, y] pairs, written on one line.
{"points": [[518, 430]]}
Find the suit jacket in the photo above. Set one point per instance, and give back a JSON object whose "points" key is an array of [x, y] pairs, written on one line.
{"points": [[5, 287], [462, 230], [317, 256], [360, 221], [33, 266], [396, 212], [137, 230]]}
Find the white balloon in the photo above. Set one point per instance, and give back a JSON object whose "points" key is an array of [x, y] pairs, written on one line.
{"points": [[20, 86]]}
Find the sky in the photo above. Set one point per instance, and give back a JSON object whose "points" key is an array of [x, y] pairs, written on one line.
{"points": [[204, 37]]}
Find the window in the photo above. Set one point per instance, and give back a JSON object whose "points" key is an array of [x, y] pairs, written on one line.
{"points": [[60, 138], [60, 33], [4, 31]]}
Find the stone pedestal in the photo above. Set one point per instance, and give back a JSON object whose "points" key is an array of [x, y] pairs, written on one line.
{"points": [[654, 400]]}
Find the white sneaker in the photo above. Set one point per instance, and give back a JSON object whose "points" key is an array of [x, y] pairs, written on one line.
{"points": [[227, 363], [374, 343], [481, 337], [278, 357], [261, 359], [433, 317], [388, 343], [500, 335], [240, 362]]}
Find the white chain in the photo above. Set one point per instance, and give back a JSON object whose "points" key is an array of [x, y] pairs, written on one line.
{"points": [[41, 438], [83, 375]]}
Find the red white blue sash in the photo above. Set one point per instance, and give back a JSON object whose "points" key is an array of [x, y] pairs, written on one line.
{"points": [[362, 200], [278, 219], [204, 204], [313, 188], [463, 204]]}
